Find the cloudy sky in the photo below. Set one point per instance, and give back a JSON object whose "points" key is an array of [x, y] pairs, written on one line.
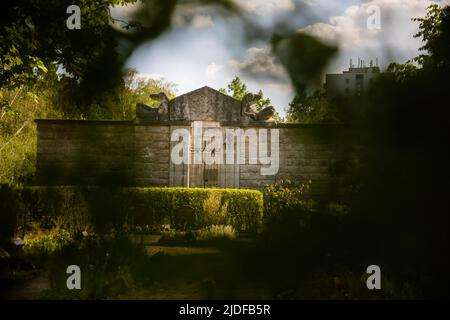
{"points": [[205, 48]]}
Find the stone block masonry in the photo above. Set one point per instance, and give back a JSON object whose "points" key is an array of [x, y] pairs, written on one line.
{"points": [[138, 153]]}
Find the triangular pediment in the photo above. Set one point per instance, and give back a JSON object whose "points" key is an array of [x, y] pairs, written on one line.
{"points": [[206, 90], [205, 104]]}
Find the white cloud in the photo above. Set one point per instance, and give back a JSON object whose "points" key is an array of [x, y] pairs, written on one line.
{"points": [[393, 41], [147, 76], [196, 20], [263, 7], [122, 14], [213, 68], [188, 14], [201, 21], [313, 3], [259, 63], [125, 11]]}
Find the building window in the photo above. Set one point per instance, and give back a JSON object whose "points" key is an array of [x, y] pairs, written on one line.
{"points": [[347, 81], [359, 88], [347, 90]]}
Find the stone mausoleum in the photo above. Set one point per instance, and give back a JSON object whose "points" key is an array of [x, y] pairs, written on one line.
{"points": [[142, 149]]}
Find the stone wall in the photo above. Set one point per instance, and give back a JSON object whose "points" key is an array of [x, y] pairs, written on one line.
{"points": [[84, 152], [91, 152], [307, 152], [152, 155]]}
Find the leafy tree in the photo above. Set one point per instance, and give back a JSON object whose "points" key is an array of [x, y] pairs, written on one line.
{"points": [[137, 89], [304, 108], [399, 182], [238, 89], [433, 29], [262, 102], [35, 35], [319, 108], [19, 107], [53, 96]]}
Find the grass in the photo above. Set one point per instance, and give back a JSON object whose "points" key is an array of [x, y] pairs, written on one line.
{"points": [[144, 267], [215, 232]]}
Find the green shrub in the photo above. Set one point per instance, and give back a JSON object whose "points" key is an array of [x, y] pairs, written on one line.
{"points": [[285, 196], [49, 243], [215, 211], [303, 236], [77, 208], [66, 206], [209, 233], [288, 215], [110, 266], [215, 232], [240, 208]]}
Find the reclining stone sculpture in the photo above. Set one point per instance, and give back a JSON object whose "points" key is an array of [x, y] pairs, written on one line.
{"points": [[160, 113], [251, 110]]}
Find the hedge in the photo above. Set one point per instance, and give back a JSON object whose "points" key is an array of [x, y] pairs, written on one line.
{"points": [[78, 207], [243, 209]]}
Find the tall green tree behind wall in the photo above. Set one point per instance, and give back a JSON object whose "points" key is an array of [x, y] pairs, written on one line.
{"points": [[54, 96], [238, 89]]}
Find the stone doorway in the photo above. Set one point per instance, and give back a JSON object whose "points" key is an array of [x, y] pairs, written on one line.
{"points": [[203, 175], [211, 175]]}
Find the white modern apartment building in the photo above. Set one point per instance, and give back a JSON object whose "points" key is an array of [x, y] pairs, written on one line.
{"points": [[354, 82]]}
